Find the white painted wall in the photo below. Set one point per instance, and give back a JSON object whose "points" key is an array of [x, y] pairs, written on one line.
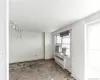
{"points": [[78, 56], [48, 46], [29, 46], [78, 51], [3, 72]]}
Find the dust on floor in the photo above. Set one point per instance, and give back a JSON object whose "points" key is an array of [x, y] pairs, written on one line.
{"points": [[38, 70]]}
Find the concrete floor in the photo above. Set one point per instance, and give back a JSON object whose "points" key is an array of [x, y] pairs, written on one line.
{"points": [[38, 70]]}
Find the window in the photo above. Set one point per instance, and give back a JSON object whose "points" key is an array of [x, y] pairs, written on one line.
{"points": [[66, 39], [58, 39], [63, 44], [58, 44], [66, 44]]}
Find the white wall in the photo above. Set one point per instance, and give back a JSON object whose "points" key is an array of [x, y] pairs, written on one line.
{"points": [[78, 56], [48, 46], [26, 46], [3, 71], [78, 51]]}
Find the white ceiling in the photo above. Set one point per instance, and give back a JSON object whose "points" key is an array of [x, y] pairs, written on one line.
{"points": [[49, 15]]}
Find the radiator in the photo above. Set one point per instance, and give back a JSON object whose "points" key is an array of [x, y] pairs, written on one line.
{"points": [[60, 60]]}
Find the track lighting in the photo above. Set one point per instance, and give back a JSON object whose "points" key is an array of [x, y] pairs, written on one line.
{"points": [[14, 26]]}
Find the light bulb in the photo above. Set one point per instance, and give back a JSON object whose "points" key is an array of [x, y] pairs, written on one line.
{"points": [[14, 26]]}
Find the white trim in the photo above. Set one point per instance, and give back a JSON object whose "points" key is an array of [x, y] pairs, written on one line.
{"points": [[93, 22], [7, 40], [86, 51], [86, 45]]}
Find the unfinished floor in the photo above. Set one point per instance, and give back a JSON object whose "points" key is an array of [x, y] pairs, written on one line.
{"points": [[38, 70]]}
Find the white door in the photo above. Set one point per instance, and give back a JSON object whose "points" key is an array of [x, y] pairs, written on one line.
{"points": [[94, 50]]}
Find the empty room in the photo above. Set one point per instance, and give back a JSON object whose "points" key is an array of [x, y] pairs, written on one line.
{"points": [[51, 39]]}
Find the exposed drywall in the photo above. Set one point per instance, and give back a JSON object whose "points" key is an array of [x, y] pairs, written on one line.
{"points": [[3, 70], [25, 46], [48, 46]]}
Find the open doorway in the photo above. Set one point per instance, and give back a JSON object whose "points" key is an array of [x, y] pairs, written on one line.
{"points": [[93, 56]]}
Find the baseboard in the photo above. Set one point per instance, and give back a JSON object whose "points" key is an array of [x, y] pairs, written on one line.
{"points": [[24, 61], [74, 76]]}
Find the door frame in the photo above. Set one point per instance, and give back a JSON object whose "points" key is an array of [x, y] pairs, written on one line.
{"points": [[87, 45]]}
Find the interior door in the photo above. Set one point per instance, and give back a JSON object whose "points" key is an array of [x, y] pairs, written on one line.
{"points": [[94, 50]]}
